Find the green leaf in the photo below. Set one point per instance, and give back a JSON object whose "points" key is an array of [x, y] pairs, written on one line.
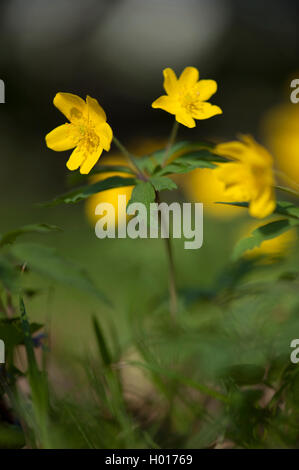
{"points": [[282, 208], [153, 162], [10, 237], [47, 261], [32, 364], [260, 234], [8, 275], [161, 183], [37, 380], [185, 147], [189, 162], [102, 345], [84, 192], [144, 193], [11, 331]]}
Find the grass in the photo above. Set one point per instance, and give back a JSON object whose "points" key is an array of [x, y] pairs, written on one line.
{"points": [[131, 377]]}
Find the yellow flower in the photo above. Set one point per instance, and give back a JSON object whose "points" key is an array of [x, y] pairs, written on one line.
{"points": [[187, 96], [281, 130], [87, 131], [249, 177], [139, 147], [202, 185]]}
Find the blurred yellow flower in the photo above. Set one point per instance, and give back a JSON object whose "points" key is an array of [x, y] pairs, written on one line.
{"points": [[273, 248], [87, 132], [140, 147], [187, 96], [202, 185], [281, 130], [110, 195], [249, 178]]}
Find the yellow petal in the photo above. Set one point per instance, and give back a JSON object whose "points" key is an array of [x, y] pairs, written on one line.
{"points": [[206, 111], [235, 178], [233, 149], [264, 205], [61, 138], [206, 88], [229, 172], [76, 159], [95, 112], [184, 118], [105, 133], [72, 106], [170, 81], [166, 103], [90, 161], [258, 153], [189, 77]]}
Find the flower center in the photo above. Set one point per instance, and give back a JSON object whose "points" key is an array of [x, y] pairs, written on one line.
{"points": [[190, 100], [85, 136]]}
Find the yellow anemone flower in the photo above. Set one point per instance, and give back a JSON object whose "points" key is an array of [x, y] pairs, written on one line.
{"points": [[250, 176], [202, 185], [187, 96], [281, 130], [87, 132]]}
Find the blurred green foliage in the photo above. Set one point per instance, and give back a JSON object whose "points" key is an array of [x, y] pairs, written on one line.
{"points": [[115, 370]]}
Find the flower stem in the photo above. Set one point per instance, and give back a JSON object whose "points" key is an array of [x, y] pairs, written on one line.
{"points": [[287, 190], [171, 140], [173, 303], [286, 178], [130, 158]]}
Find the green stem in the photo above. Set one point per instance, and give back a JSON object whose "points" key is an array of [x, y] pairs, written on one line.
{"points": [[130, 158], [171, 140], [285, 177], [173, 303], [288, 190]]}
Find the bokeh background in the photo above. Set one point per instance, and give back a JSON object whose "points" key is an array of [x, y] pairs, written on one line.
{"points": [[116, 51]]}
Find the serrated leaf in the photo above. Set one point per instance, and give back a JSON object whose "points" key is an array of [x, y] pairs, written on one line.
{"points": [[161, 183], [144, 193], [192, 161], [282, 207], [260, 234], [150, 163], [48, 262], [184, 147], [10, 237], [79, 194]]}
